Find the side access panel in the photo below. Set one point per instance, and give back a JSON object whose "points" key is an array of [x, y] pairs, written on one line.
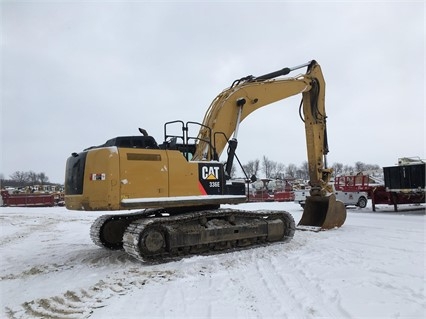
{"points": [[189, 184], [143, 173]]}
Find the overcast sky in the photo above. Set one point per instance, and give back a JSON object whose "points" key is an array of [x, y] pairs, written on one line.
{"points": [[74, 74]]}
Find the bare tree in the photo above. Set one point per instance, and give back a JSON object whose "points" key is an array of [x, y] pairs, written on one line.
{"points": [[268, 167], [291, 170], [371, 167], [302, 171], [32, 177], [252, 168], [20, 177], [359, 166], [338, 168], [349, 170], [279, 171], [42, 178]]}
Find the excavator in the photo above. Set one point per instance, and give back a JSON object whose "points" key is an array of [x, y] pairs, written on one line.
{"points": [[178, 186]]}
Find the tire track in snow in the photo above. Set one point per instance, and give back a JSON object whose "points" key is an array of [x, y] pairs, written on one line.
{"points": [[250, 276], [25, 228], [290, 288], [308, 292], [80, 303], [268, 283], [91, 258]]}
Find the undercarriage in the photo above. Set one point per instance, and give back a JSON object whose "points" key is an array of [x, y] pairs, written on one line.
{"points": [[159, 234]]}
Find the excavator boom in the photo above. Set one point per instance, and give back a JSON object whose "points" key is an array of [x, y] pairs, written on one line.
{"points": [[234, 104], [248, 94]]}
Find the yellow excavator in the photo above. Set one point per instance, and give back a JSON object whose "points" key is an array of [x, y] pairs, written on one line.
{"points": [[180, 183]]}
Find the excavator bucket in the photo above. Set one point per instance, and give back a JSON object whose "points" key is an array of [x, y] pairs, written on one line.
{"points": [[322, 212]]}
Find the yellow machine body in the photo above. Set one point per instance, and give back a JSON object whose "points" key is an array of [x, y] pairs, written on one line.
{"points": [[116, 178], [181, 183]]}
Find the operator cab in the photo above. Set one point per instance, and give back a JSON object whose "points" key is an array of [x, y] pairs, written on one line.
{"points": [[147, 142], [188, 150], [133, 142]]}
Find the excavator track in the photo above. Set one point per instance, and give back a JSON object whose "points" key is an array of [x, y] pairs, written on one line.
{"points": [[107, 230], [156, 235], [200, 232]]}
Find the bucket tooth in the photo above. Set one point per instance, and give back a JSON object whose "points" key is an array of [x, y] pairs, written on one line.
{"points": [[322, 212]]}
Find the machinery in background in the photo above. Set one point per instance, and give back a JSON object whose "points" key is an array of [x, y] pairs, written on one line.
{"points": [[352, 197], [403, 184], [32, 196]]}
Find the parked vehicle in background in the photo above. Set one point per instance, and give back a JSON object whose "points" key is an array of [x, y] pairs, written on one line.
{"points": [[348, 198]]}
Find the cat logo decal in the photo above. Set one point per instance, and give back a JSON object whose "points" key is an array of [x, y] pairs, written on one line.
{"points": [[210, 172]]}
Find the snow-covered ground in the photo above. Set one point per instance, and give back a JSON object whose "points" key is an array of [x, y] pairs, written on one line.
{"points": [[372, 267]]}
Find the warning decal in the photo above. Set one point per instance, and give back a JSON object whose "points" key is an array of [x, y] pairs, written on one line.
{"points": [[98, 177]]}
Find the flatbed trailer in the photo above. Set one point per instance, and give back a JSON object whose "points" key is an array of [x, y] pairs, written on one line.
{"points": [[381, 195], [404, 184]]}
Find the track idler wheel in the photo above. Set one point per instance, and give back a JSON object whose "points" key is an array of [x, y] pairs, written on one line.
{"points": [[152, 241], [107, 231], [322, 212]]}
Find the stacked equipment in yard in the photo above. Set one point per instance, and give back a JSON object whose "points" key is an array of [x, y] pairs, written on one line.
{"points": [[269, 190], [260, 196], [284, 196], [285, 192]]}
